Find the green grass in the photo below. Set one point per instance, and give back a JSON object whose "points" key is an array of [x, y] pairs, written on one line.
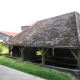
{"points": [[1, 44], [38, 53], [28, 67], [4, 50]]}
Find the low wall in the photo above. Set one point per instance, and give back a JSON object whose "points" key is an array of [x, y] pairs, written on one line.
{"points": [[74, 72]]}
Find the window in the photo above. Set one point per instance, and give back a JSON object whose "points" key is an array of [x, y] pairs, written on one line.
{"points": [[5, 39]]}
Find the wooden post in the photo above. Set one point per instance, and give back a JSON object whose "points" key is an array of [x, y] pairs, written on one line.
{"points": [[22, 54], [9, 50], [46, 50], [43, 56], [78, 63]]}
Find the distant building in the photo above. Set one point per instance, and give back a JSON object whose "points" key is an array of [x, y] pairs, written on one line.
{"points": [[28, 25], [23, 28], [5, 36]]}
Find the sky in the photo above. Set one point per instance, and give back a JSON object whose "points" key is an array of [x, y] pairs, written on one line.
{"points": [[17, 13]]}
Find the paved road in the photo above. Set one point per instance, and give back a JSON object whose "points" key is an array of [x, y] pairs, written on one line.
{"points": [[12, 74]]}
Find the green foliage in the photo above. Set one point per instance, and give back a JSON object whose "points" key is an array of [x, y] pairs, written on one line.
{"points": [[4, 50], [38, 53], [0, 48], [19, 60], [28, 67]]}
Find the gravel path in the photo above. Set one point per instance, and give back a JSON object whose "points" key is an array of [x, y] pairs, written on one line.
{"points": [[12, 74]]}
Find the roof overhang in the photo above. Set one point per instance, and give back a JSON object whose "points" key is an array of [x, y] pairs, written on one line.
{"points": [[73, 47]]}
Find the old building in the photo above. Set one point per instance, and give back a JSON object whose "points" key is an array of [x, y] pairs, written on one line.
{"points": [[5, 36], [61, 33], [24, 27]]}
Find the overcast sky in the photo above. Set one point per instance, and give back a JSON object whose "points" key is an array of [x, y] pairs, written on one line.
{"points": [[17, 13]]}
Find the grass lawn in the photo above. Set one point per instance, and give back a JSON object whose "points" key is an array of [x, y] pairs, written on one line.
{"points": [[4, 50], [28, 67]]}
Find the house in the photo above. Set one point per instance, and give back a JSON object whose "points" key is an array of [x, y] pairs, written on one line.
{"points": [[24, 27], [5, 36], [61, 33]]}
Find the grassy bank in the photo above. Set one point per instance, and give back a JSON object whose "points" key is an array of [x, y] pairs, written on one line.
{"points": [[27, 67]]}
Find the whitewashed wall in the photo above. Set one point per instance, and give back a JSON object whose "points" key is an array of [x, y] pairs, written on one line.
{"points": [[3, 35]]}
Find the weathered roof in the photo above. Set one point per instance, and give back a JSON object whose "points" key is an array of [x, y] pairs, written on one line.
{"points": [[63, 30], [9, 33]]}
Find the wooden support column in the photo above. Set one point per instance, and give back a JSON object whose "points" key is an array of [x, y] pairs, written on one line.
{"points": [[43, 56], [21, 50], [78, 63], [9, 50]]}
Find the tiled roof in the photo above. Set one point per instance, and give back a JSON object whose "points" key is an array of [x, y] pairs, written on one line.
{"points": [[63, 30], [9, 33]]}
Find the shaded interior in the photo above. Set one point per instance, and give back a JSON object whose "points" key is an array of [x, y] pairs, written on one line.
{"points": [[54, 56]]}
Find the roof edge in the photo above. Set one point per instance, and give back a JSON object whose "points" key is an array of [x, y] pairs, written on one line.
{"points": [[77, 25], [67, 47], [4, 34]]}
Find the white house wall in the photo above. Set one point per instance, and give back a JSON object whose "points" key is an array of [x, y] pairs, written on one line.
{"points": [[3, 35]]}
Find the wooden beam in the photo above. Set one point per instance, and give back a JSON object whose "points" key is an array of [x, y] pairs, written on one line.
{"points": [[55, 61], [78, 64], [21, 50], [46, 50], [11, 47], [73, 54], [39, 49], [43, 56]]}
